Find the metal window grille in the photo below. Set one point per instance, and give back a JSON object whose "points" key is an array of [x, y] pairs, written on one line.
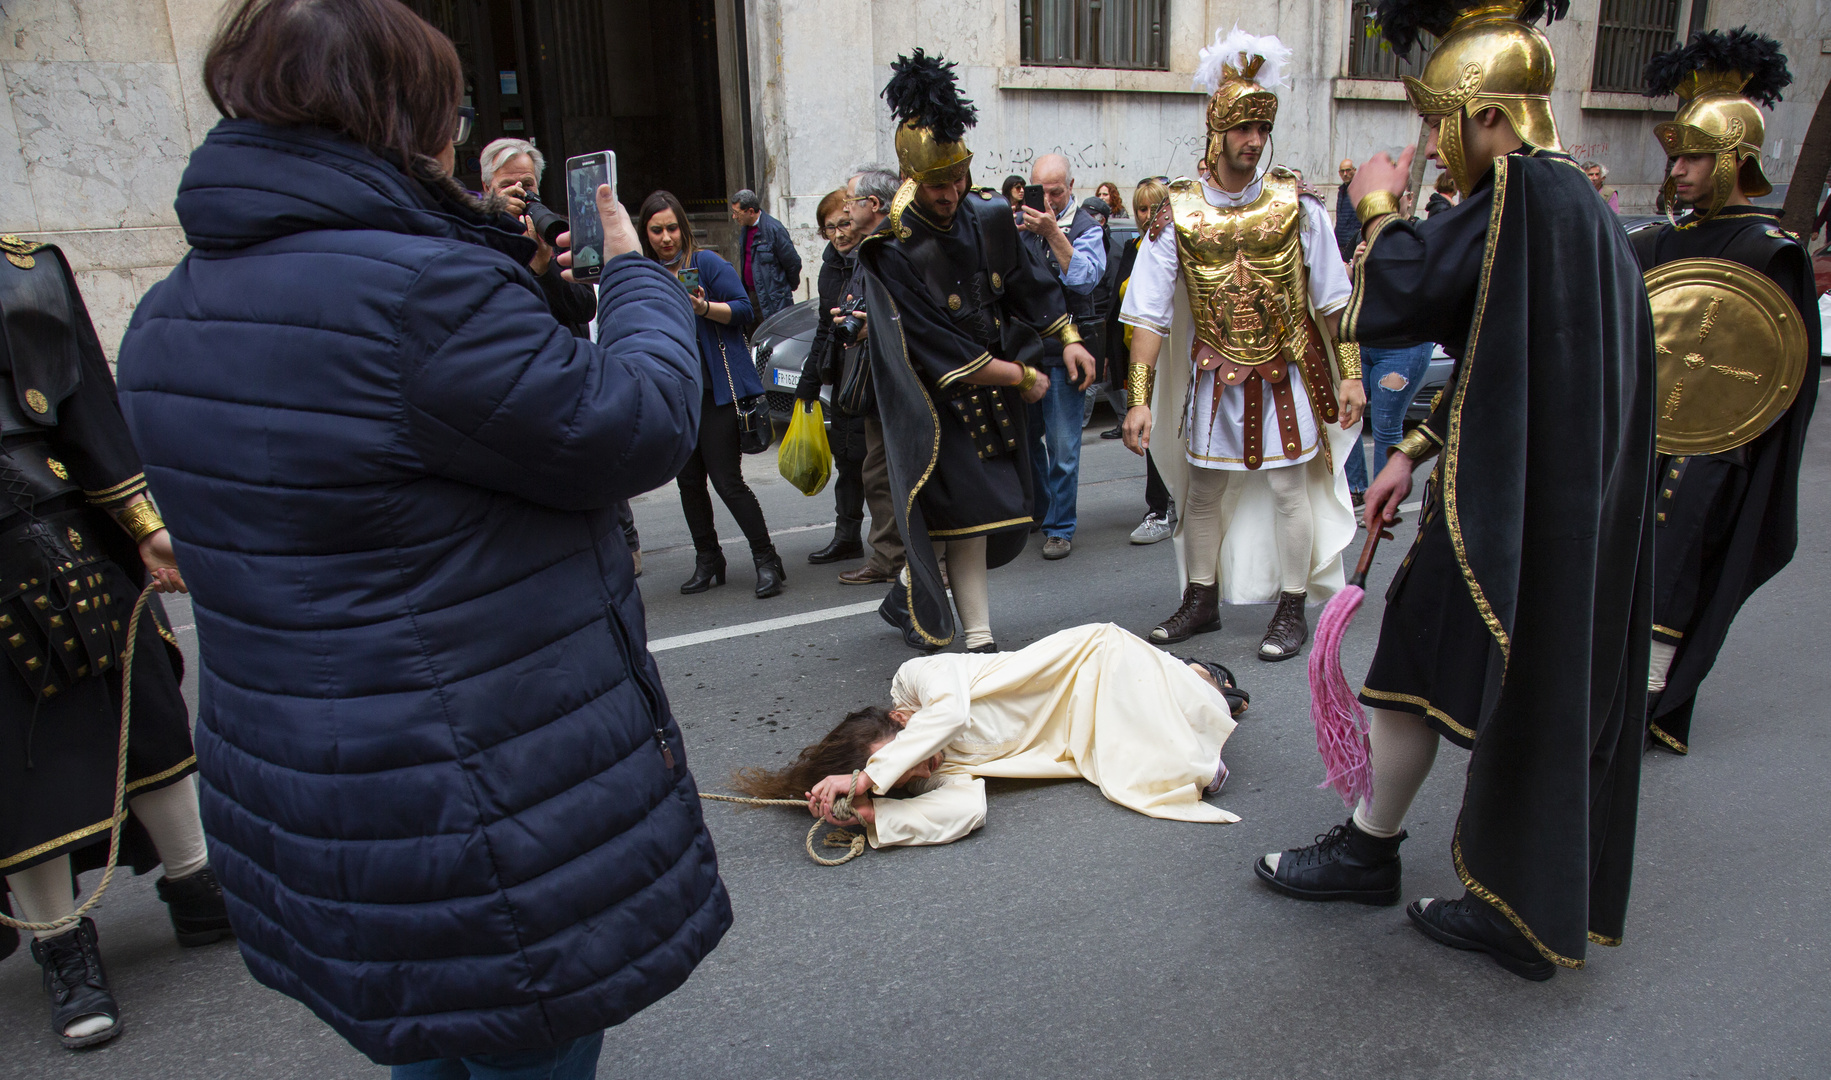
{"points": [[1369, 57], [1097, 33], [1628, 33]]}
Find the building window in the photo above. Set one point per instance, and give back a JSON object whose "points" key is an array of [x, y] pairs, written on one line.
{"points": [[1628, 33], [1369, 57], [1096, 33]]}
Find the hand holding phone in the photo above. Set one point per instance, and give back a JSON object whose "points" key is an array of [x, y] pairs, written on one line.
{"points": [[592, 220], [1033, 198], [689, 279]]}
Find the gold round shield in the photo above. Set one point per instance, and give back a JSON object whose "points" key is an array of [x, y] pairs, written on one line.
{"points": [[1731, 353]]}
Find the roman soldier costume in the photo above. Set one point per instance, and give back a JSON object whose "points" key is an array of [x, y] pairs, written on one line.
{"points": [[943, 301], [1735, 311], [1517, 624], [72, 511], [1255, 400]]}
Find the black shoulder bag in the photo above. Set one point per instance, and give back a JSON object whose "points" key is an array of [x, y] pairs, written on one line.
{"points": [[755, 433]]}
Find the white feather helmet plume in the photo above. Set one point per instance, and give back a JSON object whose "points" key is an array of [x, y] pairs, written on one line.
{"points": [[1233, 56]]}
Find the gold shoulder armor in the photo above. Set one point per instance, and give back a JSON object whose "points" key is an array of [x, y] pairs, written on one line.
{"points": [[19, 252]]}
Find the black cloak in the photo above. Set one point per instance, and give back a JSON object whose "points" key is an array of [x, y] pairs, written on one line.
{"points": [[1726, 523], [1519, 625], [941, 304]]}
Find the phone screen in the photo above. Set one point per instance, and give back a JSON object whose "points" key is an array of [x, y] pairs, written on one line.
{"points": [[1033, 197], [584, 174], [689, 279]]}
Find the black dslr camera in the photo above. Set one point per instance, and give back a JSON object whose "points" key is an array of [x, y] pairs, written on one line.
{"points": [[547, 223], [851, 321]]}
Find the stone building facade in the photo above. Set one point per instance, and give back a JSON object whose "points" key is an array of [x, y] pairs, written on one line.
{"points": [[105, 100]]}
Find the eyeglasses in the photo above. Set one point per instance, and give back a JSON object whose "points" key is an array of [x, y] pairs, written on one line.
{"points": [[833, 227], [467, 119]]}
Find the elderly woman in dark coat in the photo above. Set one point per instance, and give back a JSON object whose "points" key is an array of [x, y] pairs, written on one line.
{"points": [[444, 794]]}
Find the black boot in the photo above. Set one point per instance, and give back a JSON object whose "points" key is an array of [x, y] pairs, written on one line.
{"points": [[76, 983], [1470, 924], [844, 545], [1343, 864], [770, 574], [708, 570], [195, 904]]}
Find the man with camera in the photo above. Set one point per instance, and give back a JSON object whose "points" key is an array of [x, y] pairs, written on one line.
{"points": [[1066, 239], [844, 363], [512, 169]]}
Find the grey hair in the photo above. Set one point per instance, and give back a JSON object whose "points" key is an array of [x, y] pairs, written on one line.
{"points": [[878, 182], [502, 151], [746, 199], [1596, 165]]}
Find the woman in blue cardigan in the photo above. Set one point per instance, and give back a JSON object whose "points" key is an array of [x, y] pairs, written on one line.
{"points": [[728, 374]]}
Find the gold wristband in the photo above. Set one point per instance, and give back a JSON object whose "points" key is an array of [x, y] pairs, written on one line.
{"points": [[1139, 381], [1348, 359], [1415, 445], [140, 520], [1376, 204], [1029, 379], [1069, 334]]}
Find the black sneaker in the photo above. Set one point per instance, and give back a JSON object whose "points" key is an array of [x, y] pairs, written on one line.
{"points": [[76, 984], [1470, 924], [1343, 864], [195, 904]]}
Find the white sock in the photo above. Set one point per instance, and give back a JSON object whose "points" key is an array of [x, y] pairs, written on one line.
{"points": [[1296, 525], [967, 574], [1659, 665], [1402, 749], [170, 817], [43, 893]]}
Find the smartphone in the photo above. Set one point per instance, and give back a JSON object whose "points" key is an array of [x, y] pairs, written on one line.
{"points": [[1033, 198], [689, 279], [584, 174]]}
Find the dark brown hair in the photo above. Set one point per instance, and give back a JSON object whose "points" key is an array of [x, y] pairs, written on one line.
{"points": [[844, 750], [368, 69], [655, 204]]}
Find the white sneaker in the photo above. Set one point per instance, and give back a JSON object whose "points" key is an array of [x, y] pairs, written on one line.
{"points": [[1152, 529]]}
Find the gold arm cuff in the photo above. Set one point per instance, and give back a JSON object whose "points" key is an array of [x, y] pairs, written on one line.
{"points": [[1029, 379], [1374, 205], [1415, 445], [1348, 357], [140, 520], [1139, 381], [1069, 334]]}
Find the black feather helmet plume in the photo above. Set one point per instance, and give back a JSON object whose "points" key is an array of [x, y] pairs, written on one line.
{"points": [[923, 92], [1755, 56], [1403, 23]]}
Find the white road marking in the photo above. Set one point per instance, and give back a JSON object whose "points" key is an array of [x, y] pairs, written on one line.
{"points": [[763, 626]]}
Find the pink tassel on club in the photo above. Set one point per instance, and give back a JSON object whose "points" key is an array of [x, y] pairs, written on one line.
{"points": [[1341, 726]]}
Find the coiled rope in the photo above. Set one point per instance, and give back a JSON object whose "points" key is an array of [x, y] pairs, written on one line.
{"points": [[838, 838], [120, 780]]}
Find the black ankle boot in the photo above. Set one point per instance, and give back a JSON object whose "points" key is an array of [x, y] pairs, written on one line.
{"points": [[1289, 629], [76, 983], [196, 906], [770, 574], [844, 545], [708, 570], [1343, 864], [1470, 924]]}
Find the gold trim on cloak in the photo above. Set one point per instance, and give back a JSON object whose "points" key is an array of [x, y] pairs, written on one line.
{"points": [[1493, 900]]}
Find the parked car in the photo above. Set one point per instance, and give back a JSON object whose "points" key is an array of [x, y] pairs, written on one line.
{"points": [[780, 347]]}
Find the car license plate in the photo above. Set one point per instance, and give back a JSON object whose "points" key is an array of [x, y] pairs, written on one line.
{"points": [[788, 379]]}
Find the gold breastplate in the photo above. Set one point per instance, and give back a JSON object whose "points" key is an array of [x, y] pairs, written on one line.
{"points": [[1243, 269]]}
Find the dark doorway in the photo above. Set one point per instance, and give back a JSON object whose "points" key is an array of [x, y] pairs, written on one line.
{"points": [[640, 77]]}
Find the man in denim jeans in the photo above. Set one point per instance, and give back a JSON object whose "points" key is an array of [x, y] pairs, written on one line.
{"points": [[1391, 377], [1073, 245]]}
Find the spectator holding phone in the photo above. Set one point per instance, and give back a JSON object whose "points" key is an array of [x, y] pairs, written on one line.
{"points": [[445, 799], [728, 376]]}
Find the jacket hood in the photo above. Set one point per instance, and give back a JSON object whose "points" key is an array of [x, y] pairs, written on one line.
{"points": [[250, 183]]}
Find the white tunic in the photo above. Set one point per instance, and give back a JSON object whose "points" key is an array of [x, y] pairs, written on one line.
{"points": [[1216, 436], [1090, 701]]}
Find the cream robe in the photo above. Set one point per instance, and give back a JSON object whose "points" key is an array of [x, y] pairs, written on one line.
{"points": [[1091, 701]]}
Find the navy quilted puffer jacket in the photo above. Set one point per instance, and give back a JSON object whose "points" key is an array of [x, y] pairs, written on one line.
{"points": [[431, 737]]}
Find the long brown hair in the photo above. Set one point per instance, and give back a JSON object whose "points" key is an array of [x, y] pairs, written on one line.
{"points": [[845, 750], [368, 69], [655, 204]]}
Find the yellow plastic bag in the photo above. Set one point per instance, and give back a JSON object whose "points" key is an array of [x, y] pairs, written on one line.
{"points": [[805, 459]]}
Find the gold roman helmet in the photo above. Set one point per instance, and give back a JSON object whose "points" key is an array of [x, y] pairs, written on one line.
{"points": [[924, 96], [1490, 56], [1240, 71], [1722, 80]]}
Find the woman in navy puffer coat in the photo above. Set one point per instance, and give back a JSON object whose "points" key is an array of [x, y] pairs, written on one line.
{"points": [[443, 790]]}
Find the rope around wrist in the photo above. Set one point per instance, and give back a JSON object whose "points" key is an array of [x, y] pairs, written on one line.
{"points": [[838, 838]]}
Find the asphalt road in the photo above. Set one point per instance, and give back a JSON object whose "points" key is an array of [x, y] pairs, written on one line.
{"points": [[1073, 938]]}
